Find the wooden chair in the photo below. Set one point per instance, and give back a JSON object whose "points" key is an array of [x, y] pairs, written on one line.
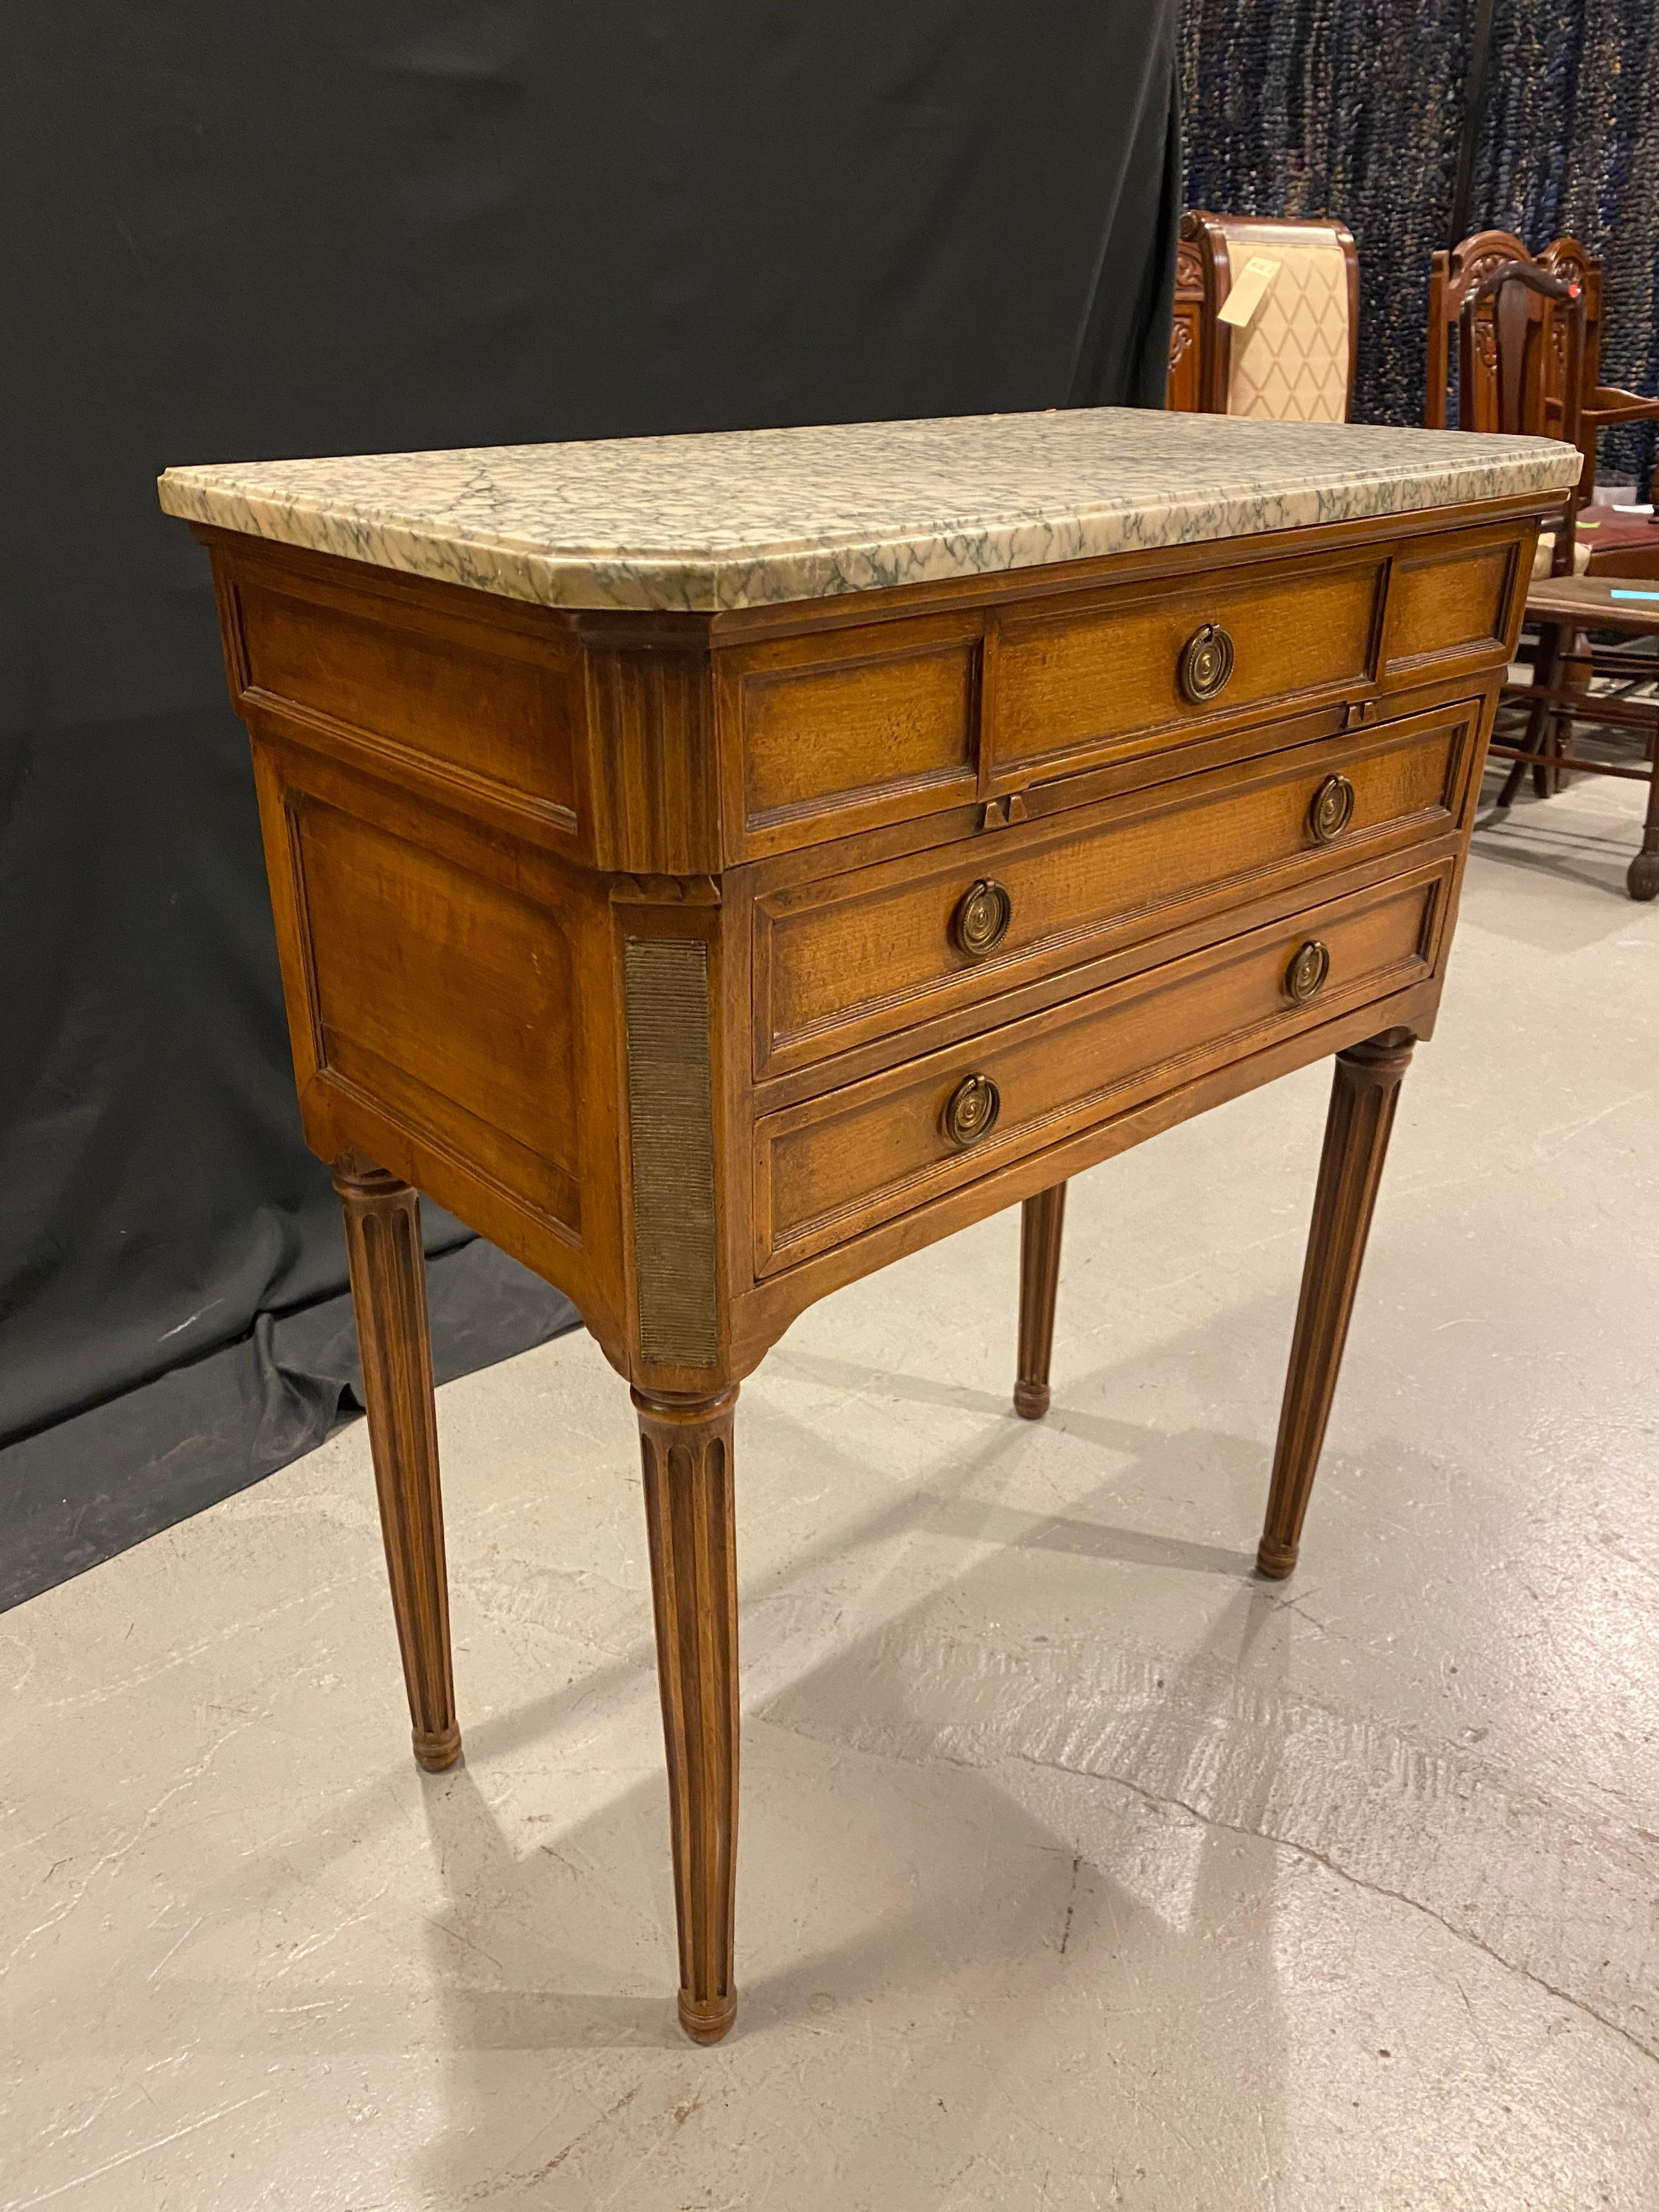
{"points": [[1522, 337], [1454, 276], [1182, 384], [1295, 361]]}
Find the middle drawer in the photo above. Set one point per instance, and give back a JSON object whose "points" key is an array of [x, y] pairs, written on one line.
{"points": [[853, 958]]}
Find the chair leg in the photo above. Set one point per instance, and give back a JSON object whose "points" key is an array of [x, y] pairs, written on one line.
{"points": [[1546, 672], [1570, 671], [1575, 672], [1511, 791], [388, 1294], [686, 1448], [1363, 1092], [1041, 1220], [1545, 778], [1641, 877]]}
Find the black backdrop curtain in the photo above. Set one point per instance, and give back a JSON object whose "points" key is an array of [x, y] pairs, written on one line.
{"points": [[1354, 108], [266, 230]]}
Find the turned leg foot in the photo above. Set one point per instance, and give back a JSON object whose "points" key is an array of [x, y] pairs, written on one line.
{"points": [[1042, 1220], [686, 1448], [388, 1293], [1641, 877], [1363, 1092]]}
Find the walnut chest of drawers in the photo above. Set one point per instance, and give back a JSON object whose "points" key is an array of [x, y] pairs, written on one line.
{"points": [[715, 867]]}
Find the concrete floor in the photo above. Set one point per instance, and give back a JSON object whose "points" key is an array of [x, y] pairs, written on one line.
{"points": [[1080, 1868]]}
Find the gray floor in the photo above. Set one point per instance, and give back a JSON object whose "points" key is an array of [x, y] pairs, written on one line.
{"points": [[1079, 1867]]}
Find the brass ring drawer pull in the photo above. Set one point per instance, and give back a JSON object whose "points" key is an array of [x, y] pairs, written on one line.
{"points": [[981, 917], [1305, 977], [1331, 809], [1206, 662], [971, 1111]]}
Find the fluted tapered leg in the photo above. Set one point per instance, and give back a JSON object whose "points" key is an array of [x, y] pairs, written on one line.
{"points": [[1363, 1093], [1041, 1220], [686, 1447], [388, 1292]]}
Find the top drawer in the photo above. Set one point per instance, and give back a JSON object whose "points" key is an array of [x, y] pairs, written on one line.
{"points": [[1112, 673], [841, 725]]}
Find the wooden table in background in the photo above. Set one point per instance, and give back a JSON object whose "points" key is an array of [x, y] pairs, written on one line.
{"points": [[1049, 780], [1619, 541]]}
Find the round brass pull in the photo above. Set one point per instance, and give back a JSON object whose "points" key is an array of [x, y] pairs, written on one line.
{"points": [[1331, 809], [981, 917], [1305, 977], [971, 1111], [1206, 662]]}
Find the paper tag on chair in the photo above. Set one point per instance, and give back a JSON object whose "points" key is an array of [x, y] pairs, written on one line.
{"points": [[1248, 292]]}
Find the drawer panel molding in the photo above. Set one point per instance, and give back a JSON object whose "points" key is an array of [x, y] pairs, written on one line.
{"points": [[822, 738]]}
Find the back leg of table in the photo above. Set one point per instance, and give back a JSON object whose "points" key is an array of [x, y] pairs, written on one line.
{"points": [[388, 1293], [1363, 1092], [1042, 1220]]}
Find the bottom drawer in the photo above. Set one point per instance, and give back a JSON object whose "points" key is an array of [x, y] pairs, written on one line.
{"points": [[836, 1165]]}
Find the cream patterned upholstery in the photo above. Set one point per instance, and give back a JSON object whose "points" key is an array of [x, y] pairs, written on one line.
{"points": [[1544, 557], [1291, 362]]}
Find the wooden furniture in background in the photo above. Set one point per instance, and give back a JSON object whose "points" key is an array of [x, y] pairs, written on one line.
{"points": [[708, 961], [1295, 363], [1185, 385], [1453, 276], [1568, 609], [1621, 541], [1526, 327], [1521, 344]]}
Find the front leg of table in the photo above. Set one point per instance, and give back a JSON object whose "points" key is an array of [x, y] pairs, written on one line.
{"points": [[388, 1293], [686, 1448], [1363, 1093], [1042, 1219]]}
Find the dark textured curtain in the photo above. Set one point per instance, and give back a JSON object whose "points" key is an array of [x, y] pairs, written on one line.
{"points": [[272, 229], [1571, 143], [1354, 108]]}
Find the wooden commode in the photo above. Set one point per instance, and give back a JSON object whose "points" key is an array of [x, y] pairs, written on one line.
{"points": [[714, 867]]}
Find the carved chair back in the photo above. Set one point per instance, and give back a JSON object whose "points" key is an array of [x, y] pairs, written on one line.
{"points": [[1294, 361], [1466, 269], [1521, 344]]}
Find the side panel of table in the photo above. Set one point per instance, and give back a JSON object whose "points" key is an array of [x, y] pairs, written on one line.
{"points": [[450, 1011]]}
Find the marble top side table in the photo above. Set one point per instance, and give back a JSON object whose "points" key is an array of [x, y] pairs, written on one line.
{"points": [[714, 867]]}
